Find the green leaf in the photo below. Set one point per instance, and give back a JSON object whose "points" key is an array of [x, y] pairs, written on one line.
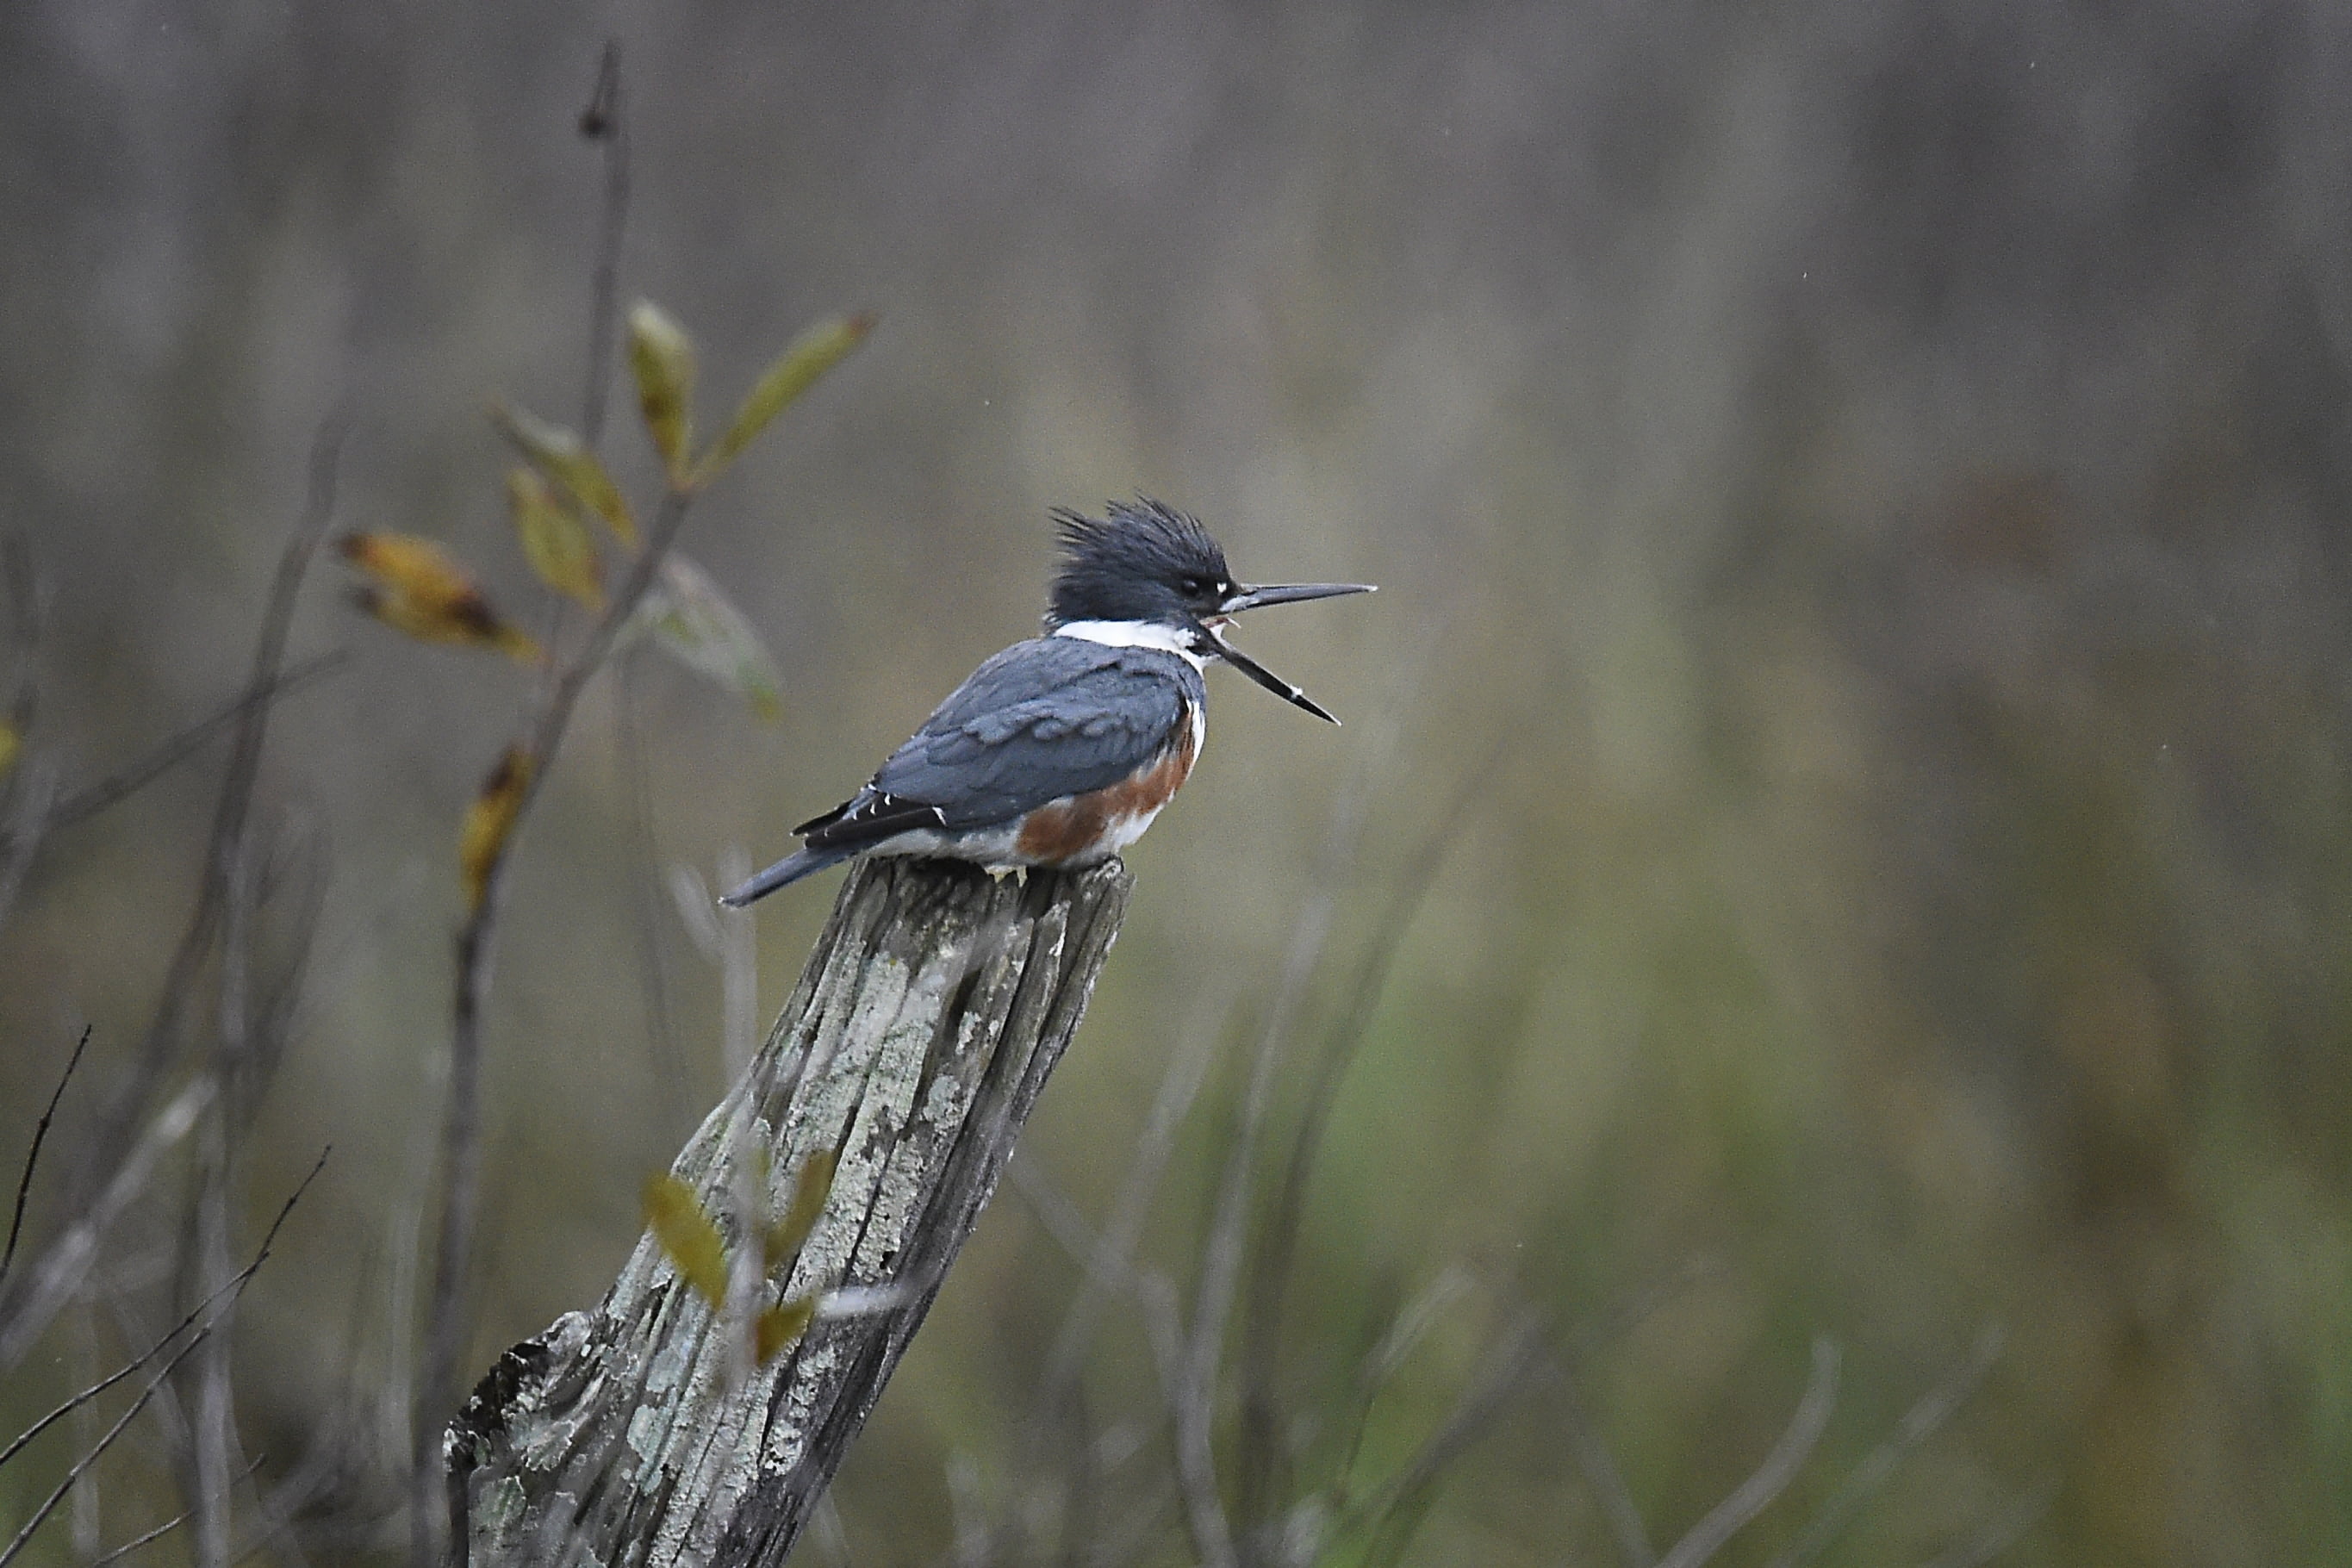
{"points": [[782, 1325], [554, 540], [687, 1234], [810, 1189], [563, 457], [699, 626], [661, 357], [817, 351]]}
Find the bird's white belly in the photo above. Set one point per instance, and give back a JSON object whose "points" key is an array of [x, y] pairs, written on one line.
{"points": [[998, 849]]}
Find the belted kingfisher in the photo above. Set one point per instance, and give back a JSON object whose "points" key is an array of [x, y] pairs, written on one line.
{"points": [[1062, 749]]}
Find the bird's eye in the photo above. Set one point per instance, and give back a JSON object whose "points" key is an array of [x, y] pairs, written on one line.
{"points": [[1192, 585]]}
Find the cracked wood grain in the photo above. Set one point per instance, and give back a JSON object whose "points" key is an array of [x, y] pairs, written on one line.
{"points": [[936, 1001]]}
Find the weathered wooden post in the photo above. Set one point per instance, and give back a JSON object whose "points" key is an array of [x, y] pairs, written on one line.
{"points": [[926, 1022]]}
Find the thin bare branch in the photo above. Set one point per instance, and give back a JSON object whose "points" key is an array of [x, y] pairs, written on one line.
{"points": [[111, 1143], [1154, 1293], [1601, 1473], [211, 1403], [1053, 1208], [177, 1519], [30, 790], [67, 1260], [605, 121], [1124, 1540], [1632, 1308], [1107, 1266], [1772, 1477], [202, 1330], [27, 620], [197, 1312], [92, 798], [212, 1420], [1585, 1445], [968, 1518], [84, 1528], [1270, 1277], [295, 883], [824, 1527], [33, 1154], [1394, 1511], [1923, 1421], [1110, 1269], [1222, 1247], [645, 882], [236, 805], [1412, 1325], [2002, 1534], [1271, 1270], [82, 1465], [1406, 1329], [460, 1158], [136, 1542], [1262, 1459]]}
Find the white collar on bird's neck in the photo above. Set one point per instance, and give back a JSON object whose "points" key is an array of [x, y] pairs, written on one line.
{"points": [[1134, 634]]}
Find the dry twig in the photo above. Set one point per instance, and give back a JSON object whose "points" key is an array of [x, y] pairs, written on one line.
{"points": [[96, 795], [1601, 1473], [1772, 1477], [33, 1153], [115, 1156], [2002, 1534], [1922, 1421], [461, 1127], [1394, 1511], [1270, 1273], [605, 121], [203, 1326], [169, 1525]]}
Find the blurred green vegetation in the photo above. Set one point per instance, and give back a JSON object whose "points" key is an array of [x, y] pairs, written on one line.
{"points": [[1878, 471]]}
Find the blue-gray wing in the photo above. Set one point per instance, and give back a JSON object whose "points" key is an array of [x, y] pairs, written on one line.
{"points": [[1044, 719]]}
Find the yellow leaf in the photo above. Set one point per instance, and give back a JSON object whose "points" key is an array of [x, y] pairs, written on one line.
{"points": [[465, 621], [782, 1325], [563, 457], [817, 351], [662, 360], [10, 744], [687, 1235], [417, 568], [701, 629], [490, 819], [424, 593], [554, 539], [784, 1238]]}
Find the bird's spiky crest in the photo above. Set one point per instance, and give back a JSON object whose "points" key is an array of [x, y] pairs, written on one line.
{"points": [[1130, 564]]}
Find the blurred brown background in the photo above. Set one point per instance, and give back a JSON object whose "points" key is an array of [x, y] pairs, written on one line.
{"points": [[1880, 471]]}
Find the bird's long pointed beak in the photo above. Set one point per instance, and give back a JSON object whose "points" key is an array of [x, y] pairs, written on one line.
{"points": [[1288, 594], [1266, 678]]}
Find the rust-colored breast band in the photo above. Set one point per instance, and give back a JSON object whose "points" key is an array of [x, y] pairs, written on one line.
{"points": [[1068, 829]]}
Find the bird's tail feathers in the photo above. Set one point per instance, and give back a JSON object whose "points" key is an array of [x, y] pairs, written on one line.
{"points": [[783, 873]]}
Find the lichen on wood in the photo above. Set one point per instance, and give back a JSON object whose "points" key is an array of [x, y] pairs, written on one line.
{"points": [[937, 1001]]}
